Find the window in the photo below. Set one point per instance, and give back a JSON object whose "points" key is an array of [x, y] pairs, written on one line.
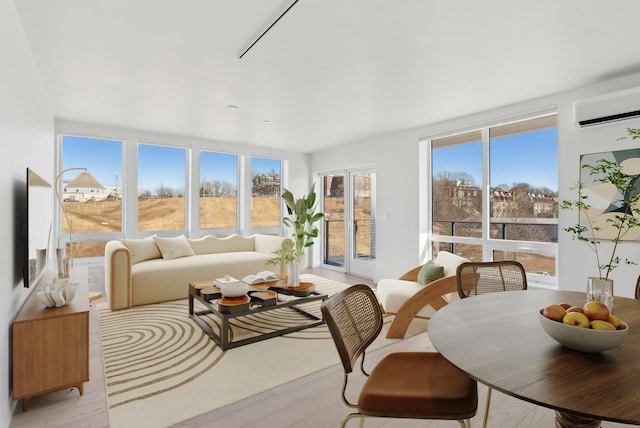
{"points": [[218, 190], [152, 191], [265, 193], [516, 218], [92, 211], [161, 187]]}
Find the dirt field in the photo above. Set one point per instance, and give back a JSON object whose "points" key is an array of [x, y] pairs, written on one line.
{"points": [[162, 214]]}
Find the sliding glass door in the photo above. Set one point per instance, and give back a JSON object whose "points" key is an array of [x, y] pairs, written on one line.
{"points": [[349, 224]]}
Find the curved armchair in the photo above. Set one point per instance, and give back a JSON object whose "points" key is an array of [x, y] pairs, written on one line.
{"points": [[408, 299], [431, 295]]}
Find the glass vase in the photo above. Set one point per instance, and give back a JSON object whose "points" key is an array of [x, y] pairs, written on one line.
{"points": [[600, 290]]}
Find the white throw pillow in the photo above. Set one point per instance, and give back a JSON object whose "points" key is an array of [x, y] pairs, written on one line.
{"points": [[174, 247], [142, 249]]}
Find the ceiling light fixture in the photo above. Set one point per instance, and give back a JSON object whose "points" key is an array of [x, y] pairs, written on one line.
{"points": [[268, 28]]}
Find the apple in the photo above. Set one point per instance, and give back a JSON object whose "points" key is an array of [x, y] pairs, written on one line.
{"points": [[575, 309], [554, 312], [602, 325], [596, 311], [565, 306], [616, 321], [577, 319]]}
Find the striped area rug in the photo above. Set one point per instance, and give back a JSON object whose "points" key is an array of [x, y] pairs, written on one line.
{"points": [[160, 368]]}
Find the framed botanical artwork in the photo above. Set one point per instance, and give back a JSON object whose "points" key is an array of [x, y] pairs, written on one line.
{"points": [[605, 199]]}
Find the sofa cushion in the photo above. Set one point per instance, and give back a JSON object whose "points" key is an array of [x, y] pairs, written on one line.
{"points": [[430, 272], [173, 247], [142, 249], [449, 262], [160, 280], [393, 293]]}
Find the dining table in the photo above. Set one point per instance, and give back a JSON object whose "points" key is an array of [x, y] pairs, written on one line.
{"points": [[497, 339]]}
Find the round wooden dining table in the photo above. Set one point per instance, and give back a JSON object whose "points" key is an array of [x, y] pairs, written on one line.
{"points": [[497, 339]]}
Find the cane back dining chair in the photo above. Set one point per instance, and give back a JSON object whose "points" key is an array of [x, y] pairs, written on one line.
{"points": [[475, 278], [416, 385]]}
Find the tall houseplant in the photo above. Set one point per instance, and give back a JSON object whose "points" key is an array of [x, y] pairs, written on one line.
{"points": [[301, 218], [622, 221]]}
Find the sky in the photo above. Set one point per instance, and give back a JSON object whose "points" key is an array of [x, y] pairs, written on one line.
{"points": [[158, 165], [528, 158], [531, 157]]}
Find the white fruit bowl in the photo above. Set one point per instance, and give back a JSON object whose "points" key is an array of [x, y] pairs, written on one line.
{"points": [[583, 339], [233, 289]]}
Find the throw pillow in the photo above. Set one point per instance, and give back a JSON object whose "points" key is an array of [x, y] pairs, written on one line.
{"points": [[429, 273], [142, 249], [174, 247]]}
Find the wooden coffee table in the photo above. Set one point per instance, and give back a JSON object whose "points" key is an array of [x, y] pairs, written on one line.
{"points": [[261, 298]]}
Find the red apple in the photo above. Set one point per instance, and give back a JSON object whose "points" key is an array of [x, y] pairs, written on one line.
{"points": [[554, 312], [596, 311], [577, 319], [575, 309], [565, 306]]}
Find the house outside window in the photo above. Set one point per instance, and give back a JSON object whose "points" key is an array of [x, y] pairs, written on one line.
{"points": [[266, 188], [95, 215], [516, 217]]}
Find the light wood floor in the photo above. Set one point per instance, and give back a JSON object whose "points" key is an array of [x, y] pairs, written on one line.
{"points": [[310, 402]]}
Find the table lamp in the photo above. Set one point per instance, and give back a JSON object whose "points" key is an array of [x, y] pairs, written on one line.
{"points": [[83, 180]]}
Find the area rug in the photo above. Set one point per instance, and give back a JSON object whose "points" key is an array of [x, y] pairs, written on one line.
{"points": [[161, 369]]}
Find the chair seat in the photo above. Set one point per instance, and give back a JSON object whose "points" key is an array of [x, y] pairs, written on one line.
{"points": [[418, 385]]}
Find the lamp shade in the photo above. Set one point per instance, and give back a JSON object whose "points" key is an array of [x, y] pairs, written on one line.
{"points": [[36, 180], [85, 180]]}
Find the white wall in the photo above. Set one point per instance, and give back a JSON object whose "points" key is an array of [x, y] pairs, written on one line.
{"points": [[26, 136], [400, 240]]}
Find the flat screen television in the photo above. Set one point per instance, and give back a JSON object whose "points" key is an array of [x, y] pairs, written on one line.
{"points": [[36, 227]]}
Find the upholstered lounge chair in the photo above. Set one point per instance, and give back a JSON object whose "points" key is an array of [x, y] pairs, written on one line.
{"points": [[408, 299]]}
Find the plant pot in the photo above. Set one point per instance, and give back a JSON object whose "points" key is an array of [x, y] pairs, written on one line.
{"points": [[600, 290]]}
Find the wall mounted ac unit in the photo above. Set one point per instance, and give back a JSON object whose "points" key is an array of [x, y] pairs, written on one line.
{"points": [[608, 108]]}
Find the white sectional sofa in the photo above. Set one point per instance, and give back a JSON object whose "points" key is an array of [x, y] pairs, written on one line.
{"points": [[157, 269]]}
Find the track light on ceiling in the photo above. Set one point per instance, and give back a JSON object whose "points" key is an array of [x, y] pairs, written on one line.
{"points": [[268, 28]]}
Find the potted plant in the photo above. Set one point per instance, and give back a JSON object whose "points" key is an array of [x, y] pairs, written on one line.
{"points": [[283, 255], [619, 222], [301, 219]]}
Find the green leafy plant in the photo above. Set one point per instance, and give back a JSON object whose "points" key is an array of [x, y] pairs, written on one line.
{"points": [[285, 254], [302, 217], [623, 220]]}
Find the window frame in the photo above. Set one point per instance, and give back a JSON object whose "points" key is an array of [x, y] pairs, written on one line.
{"points": [[61, 237], [488, 244]]}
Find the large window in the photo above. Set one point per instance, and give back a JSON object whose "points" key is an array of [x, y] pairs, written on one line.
{"points": [[265, 193], [92, 211], [167, 188], [161, 187], [218, 190], [516, 218]]}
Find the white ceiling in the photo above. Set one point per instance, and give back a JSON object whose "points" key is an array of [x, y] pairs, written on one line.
{"points": [[329, 72]]}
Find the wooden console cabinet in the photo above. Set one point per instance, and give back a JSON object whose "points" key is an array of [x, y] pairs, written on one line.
{"points": [[51, 346]]}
